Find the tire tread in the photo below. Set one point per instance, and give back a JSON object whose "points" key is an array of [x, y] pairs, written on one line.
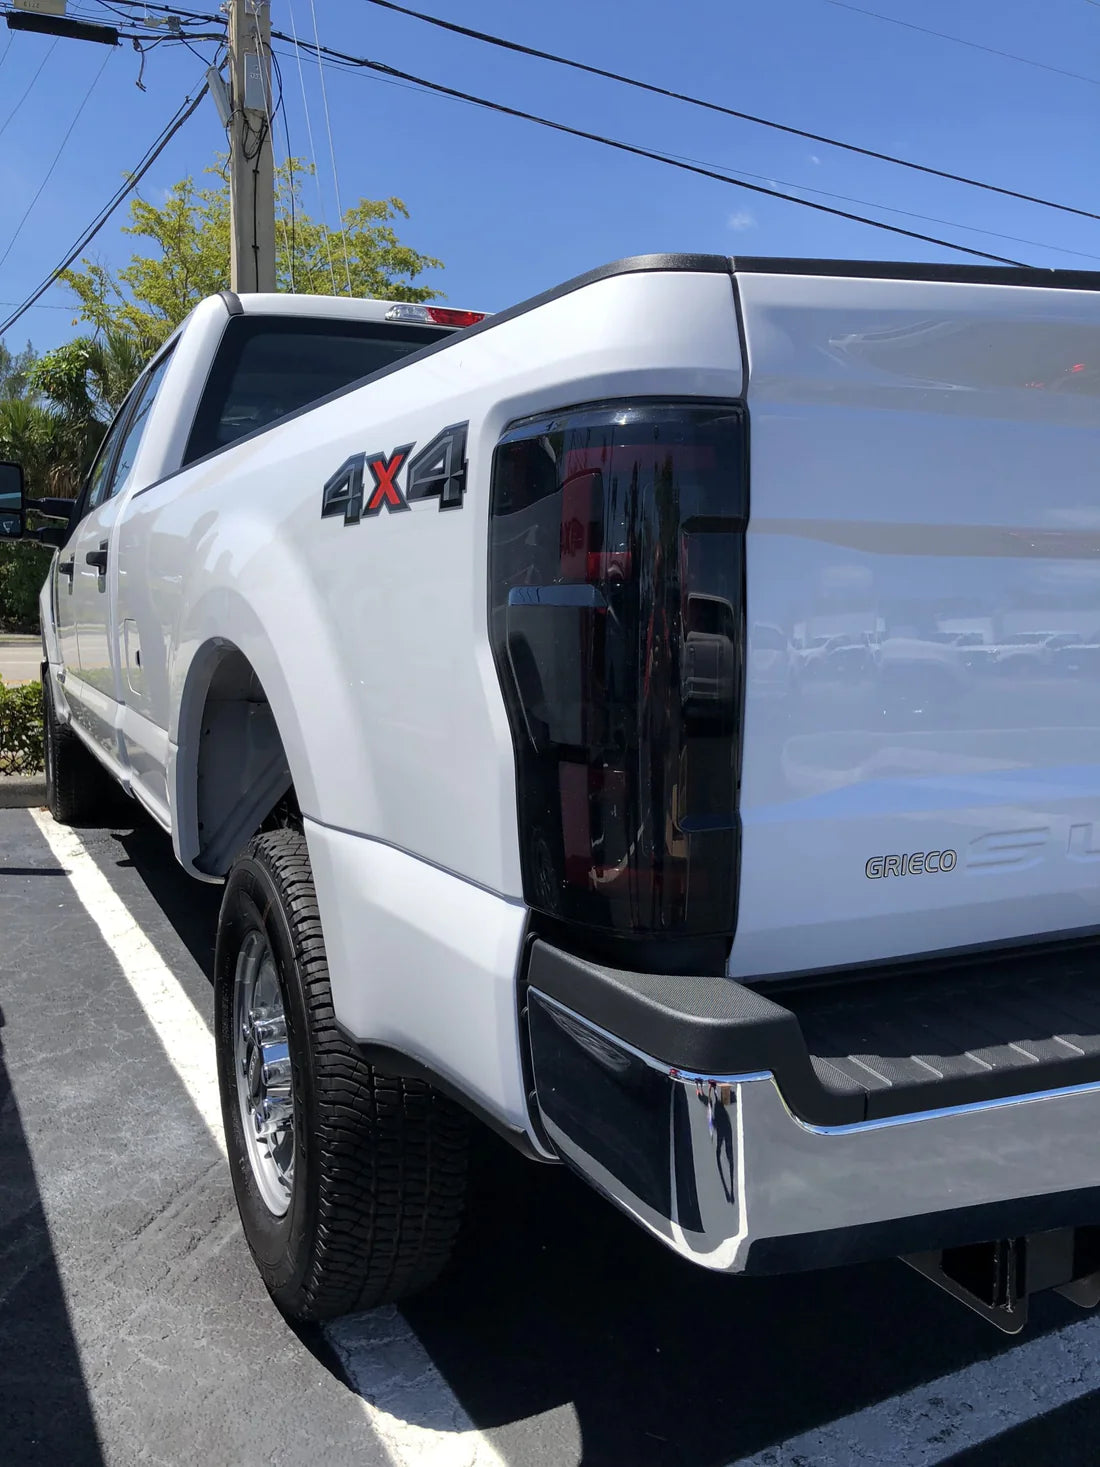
{"points": [[392, 1150], [81, 791]]}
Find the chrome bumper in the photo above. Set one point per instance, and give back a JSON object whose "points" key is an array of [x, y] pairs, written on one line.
{"points": [[719, 1167]]}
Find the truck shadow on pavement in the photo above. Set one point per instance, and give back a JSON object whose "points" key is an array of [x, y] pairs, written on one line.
{"points": [[556, 1300], [44, 1403]]}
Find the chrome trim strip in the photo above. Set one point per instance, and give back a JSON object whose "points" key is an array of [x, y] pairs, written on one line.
{"points": [[973, 1108]]}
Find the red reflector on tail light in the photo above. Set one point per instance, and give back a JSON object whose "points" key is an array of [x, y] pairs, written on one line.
{"points": [[616, 568], [444, 316]]}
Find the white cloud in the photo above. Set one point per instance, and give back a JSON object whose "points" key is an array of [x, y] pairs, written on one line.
{"points": [[815, 159], [741, 221]]}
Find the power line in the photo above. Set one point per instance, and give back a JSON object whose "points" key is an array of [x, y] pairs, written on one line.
{"points": [[269, 112], [312, 148], [515, 46], [359, 62], [331, 147], [197, 15], [47, 307], [56, 157], [183, 112], [786, 183], [802, 187], [891, 209], [29, 89], [814, 137], [292, 202], [129, 35], [959, 41]]}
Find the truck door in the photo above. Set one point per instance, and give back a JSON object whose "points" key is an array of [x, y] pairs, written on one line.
{"points": [[88, 578]]}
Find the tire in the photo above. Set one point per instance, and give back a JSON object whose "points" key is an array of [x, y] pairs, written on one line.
{"points": [[369, 1206], [79, 791]]}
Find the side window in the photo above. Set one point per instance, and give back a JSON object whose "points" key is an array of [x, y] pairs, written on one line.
{"points": [[115, 474], [104, 457]]}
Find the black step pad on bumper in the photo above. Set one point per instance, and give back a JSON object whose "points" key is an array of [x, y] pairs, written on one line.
{"points": [[978, 1031], [867, 1048]]}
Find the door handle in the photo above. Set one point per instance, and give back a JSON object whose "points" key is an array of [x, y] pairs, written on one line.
{"points": [[98, 558], [66, 567]]}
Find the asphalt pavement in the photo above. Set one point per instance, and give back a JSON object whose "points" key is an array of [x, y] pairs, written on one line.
{"points": [[20, 659], [133, 1327]]}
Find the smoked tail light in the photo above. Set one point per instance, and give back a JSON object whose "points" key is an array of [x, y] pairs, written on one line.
{"points": [[616, 572]]}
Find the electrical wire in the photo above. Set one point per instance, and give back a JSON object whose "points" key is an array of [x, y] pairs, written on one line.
{"points": [[363, 63], [782, 182], [331, 146], [7, 48], [56, 157], [152, 153], [959, 41], [29, 89], [292, 203], [515, 46], [269, 113], [630, 81], [805, 188], [49, 307], [312, 147], [204, 15], [97, 18], [345, 61]]}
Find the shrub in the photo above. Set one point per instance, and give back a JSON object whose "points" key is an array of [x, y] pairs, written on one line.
{"points": [[23, 567], [20, 729]]}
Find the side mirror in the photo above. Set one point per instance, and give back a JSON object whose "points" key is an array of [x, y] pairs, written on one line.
{"points": [[13, 517]]}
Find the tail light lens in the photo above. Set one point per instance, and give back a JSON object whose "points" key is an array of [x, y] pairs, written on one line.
{"points": [[616, 572]]}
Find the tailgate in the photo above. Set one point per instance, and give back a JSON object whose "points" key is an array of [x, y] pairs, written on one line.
{"points": [[921, 761]]}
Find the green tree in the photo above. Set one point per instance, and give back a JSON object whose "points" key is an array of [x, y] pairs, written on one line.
{"points": [[50, 445], [88, 378], [190, 236], [14, 367]]}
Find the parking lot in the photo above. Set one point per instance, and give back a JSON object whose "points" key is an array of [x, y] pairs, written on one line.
{"points": [[133, 1327]]}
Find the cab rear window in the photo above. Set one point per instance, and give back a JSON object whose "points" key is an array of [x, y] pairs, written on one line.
{"points": [[268, 367]]}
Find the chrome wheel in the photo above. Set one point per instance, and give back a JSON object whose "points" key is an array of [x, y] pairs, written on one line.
{"points": [[262, 1068]]}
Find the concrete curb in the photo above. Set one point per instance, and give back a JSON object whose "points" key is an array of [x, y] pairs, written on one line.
{"points": [[22, 791]]}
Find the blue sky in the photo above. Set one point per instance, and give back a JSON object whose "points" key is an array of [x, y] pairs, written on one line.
{"points": [[512, 208]]}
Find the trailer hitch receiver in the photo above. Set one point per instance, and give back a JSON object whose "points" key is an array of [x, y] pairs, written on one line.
{"points": [[996, 1279]]}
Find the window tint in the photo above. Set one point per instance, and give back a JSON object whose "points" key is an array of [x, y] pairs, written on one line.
{"points": [[143, 398], [268, 367], [98, 478]]}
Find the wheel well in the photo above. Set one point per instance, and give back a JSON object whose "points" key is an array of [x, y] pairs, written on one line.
{"points": [[243, 779]]}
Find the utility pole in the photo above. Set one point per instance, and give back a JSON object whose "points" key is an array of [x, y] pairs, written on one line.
{"points": [[251, 161]]}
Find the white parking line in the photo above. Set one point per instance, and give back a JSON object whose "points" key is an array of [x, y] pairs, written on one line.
{"points": [[389, 1368], [934, 1421], [177, 1023]]}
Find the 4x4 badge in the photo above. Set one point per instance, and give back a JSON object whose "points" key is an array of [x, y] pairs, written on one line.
{"points": [[437, 471]]}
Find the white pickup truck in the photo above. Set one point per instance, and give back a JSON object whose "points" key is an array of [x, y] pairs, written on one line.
{"points": [[581, 710]]}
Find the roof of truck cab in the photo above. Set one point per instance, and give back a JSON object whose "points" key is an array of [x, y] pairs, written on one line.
{"points": [[336, 307]]}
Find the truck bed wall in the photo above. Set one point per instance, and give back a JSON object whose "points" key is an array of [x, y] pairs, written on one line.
{"points": [[923, 597], [371, 642]]}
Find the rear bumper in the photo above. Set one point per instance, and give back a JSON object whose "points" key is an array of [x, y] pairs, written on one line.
{"points": [[684, 1101]]}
